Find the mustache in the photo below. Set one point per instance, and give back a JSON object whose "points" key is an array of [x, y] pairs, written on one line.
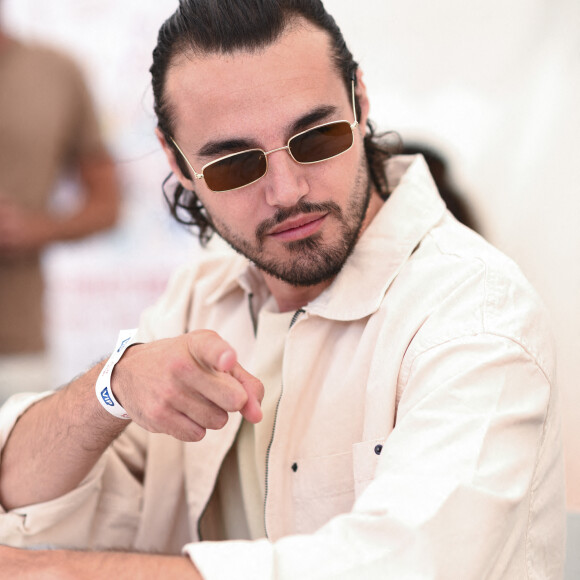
{"points": [[301, 208]]}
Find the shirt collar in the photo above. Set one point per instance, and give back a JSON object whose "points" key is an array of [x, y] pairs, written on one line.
{"points": [[412, 209]]}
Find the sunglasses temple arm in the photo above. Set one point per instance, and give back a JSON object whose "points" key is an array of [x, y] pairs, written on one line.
{"points": [[353, 108], [197, 175]]}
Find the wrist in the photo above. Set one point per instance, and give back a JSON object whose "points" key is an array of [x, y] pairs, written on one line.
{"points": [[103, 389]]}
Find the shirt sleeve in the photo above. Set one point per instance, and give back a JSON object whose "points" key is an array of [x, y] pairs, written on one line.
{"points": [[103, 512], [455, 488]]}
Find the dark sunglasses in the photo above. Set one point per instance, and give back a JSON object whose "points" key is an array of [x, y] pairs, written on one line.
{"points": [[314, 145]]}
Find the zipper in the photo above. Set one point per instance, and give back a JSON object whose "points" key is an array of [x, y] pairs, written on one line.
{"points": [[295, 317], [292, 322], [252, 313]]}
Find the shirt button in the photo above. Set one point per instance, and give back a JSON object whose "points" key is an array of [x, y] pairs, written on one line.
{"points": [[378, 449]]}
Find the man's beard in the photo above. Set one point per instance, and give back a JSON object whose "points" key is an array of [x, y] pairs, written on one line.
{"points": [[312, 260]]}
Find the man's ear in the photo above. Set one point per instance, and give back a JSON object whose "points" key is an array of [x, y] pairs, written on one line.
{"points": [[170, 154], [363, 99]]}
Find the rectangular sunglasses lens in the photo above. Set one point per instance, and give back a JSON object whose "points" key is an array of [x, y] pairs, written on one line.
{"points": [[235, 171], [322, 142]]}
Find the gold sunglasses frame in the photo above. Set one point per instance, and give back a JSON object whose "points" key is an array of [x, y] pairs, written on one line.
{"points": [[267, 153]]}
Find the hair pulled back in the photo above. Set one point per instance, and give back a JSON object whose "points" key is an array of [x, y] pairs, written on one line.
{"points": [[202, 27]]}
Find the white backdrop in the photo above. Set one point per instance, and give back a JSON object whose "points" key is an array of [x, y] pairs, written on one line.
{"points": [[494, 84]]}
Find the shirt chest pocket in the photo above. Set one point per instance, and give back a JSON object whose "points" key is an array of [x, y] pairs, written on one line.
{"points": [[326, 486]]}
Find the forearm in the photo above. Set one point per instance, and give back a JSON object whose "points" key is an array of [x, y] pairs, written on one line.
{"points": [[162, 386], [25, 231], [55, 443], [101, 207], [69, 565], [97, 566]]}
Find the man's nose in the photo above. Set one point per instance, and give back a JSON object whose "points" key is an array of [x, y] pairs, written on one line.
{"points": [[285, 182]]}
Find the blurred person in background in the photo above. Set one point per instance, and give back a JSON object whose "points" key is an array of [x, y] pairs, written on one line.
{"points": [[48, 128]]}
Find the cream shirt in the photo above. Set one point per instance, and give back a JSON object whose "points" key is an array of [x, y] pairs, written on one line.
{"points": [[417, 435]]}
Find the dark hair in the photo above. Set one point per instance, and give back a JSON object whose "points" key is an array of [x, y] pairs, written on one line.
{"points": [[438, 165], [225, 26]]}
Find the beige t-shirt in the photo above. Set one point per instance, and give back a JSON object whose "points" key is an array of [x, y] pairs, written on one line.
{"points": [[47, 123], [241, 487]]}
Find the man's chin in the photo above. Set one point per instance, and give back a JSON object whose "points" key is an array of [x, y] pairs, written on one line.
{"points": [[302, 281], [300, 263], [307, 270]]}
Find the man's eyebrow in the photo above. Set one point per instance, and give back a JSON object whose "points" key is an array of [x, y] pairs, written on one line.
{"points": [[224, 147], [319, 114], [217, 148]]}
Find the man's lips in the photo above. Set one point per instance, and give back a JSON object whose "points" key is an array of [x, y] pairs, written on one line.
{"points": [[298, 227]]}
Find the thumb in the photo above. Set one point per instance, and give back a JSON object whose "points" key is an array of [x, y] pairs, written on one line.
{"points": [[210, 351]]}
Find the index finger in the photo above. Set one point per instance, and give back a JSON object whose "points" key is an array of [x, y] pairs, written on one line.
{"points": [[213, 353], [252, 410]]}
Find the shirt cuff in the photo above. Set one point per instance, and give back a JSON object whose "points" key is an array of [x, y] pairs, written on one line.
{"points": [[240, 559]]}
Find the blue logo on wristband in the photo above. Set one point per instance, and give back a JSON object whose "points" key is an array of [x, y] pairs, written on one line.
{"points": [[106, 397], [123, 344]]}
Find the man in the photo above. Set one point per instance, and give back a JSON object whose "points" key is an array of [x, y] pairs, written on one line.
{"points": [[48, 127], [364, 391]]}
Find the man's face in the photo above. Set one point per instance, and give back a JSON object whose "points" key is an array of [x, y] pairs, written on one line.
{"points": [[299, 222]]}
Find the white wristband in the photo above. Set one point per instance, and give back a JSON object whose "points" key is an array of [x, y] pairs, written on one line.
{"points": [[103, 384]]}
